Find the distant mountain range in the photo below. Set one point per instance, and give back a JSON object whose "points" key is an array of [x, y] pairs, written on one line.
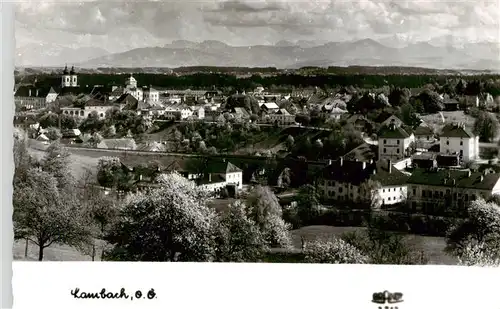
{"points": [[290, 55], [55, 55]]}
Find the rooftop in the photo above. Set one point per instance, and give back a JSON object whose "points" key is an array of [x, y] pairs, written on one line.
{"points": [[356, 172], [393, 131], [456, 130], [462, 178]]}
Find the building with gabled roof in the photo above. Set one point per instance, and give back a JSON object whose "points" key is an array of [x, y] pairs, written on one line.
{"points": [[281, 117], [33, 97], [394, 142], [343, 180], [438, 189], [457, 138]]}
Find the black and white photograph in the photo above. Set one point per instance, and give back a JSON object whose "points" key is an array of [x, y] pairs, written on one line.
{"points": [[257, 131]]}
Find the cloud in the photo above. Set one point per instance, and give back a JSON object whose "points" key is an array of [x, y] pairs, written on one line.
{"points": [[118, 26]]}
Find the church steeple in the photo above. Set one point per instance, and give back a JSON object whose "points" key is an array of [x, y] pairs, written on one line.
{"points": [[65, 72], [72, 72]]}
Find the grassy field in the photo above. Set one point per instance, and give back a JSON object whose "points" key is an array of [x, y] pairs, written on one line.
{"points": [[432, 246], [53, 253], [435, 121], [78, 163]]}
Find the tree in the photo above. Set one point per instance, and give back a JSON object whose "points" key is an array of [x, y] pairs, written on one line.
{"points": [[68, 122], [285, 178], [57, 163], [242, 240], [44, 215], [476, 254], [370, 193], [49, 120], [486, 126], [171, 223], [479, 231], [53, 134], [303, 120], [384, 247], [308, 206], [334, 251], [101, 212], [431, 101], [95, 139], [399, 96], [264, 209], [460, 87], [109, 131], [22, 159], [289, 142]]}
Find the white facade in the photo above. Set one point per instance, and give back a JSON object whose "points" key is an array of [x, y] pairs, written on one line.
{"points": [[85, 112], [186, 113], [393, 194], [151, 95], [235, 178], [394, 148], [340, 191], [467, 147]]}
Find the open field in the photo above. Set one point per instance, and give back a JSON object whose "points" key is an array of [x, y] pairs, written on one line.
{"points": [[432, 246], [78, 163], [435, 121], [53, 253]]}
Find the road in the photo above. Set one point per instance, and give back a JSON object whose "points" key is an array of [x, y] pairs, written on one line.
{"points": [[488, 145]]}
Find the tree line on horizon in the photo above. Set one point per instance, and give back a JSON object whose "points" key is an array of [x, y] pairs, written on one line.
{"points": [[228, 82]]}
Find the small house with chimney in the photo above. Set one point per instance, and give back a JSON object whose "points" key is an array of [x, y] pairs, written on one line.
{"points": [[457, 138], [394, 142]]}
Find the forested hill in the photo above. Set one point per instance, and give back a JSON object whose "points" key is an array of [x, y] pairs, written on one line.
{"points": [[288, 81]]}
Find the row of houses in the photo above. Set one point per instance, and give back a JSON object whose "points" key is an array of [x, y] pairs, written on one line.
{"points": [[425, 188]]}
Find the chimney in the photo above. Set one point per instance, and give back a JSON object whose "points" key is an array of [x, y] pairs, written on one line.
{"points": [[389, 166], [341, 161]]}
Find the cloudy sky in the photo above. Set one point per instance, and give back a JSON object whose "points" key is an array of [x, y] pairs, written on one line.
{"points": [[118, 25]]}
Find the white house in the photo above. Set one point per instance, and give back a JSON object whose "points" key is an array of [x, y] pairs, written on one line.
{"points": [[151, 95], [438, 189], [456, 138], [344, 180], [198, 112], [394, 142], [220, 175]]}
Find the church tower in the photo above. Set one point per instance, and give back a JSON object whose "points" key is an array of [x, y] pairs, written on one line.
{"points": [[66, 78], [74, 78]]}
